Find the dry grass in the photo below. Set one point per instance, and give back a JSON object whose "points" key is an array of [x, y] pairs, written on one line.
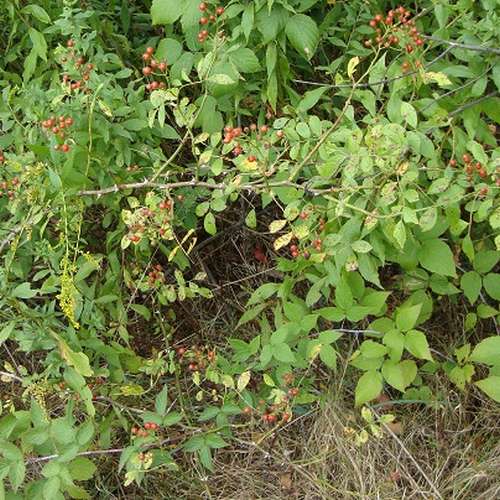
{"points": [[445, 452]]}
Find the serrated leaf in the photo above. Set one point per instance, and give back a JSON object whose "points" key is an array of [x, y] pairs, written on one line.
{"points": [[369, 386], [491, 387], [416, 344], [470, 283], [243, 380], [277, 225], [282, 240], [209, 223], [303, 34], [487, 351], [166, 11], [251, 219], [436, 256]]}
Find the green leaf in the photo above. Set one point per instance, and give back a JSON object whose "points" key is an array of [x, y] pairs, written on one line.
{"points": [[395, 342], [371, 349], [205, 456], [399, 375], [209, 413], [6, 332], [78, 360], [436, 256], [416, 344], [400, 234], [486, 311], [30, 64], [245, 60], [62, 430], [491, 387], [407, 316], [209, 223], [168, 50], [81, 469], [470, 283], [39, 43], [361, 246], [487, 351], [440, 78], [491, 283], [37, 12], [343, 295], [310, 99], [51, 488], [135, 124], [428, 219], [221, 79], [161, 401], [409, 114], [485, 261], [166, 11], [251, 314], [331, 314], [23, 291], [328, 355], [369, 386], [17, 471], [247, 20], [251, 219], [303, 34], [283, 353], [172, 418]]}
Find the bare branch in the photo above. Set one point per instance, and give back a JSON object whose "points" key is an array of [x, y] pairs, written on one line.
{"points": [[470, 104], [12, 376], [465, 46]]}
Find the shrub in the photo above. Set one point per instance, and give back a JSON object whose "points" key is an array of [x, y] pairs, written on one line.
{"points": [[359, 146]]}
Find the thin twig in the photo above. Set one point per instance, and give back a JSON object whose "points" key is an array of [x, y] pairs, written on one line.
{"points": [[207, 185], [91, 453], [378, 82], [466, 46], [470, 104], [12, 376]]}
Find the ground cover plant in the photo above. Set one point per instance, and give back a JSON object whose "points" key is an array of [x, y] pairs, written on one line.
{"points": [[249, 249]]}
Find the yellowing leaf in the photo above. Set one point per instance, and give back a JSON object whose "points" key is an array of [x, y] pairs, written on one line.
{"points": [[78, 360], [351, 66], [277, 225], [282, 241], [243, 380], [440, 78]]}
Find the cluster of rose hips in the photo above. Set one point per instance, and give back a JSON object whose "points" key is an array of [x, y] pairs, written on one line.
{"points": [[151, 66], [156, 276], [9, 187], [270, 414], [233, 133], [58, 127], [198, 358], [207, 18], [84, 70], [471, 168], [144, 432], [386, 35], [147, 214], [316, 243]]}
